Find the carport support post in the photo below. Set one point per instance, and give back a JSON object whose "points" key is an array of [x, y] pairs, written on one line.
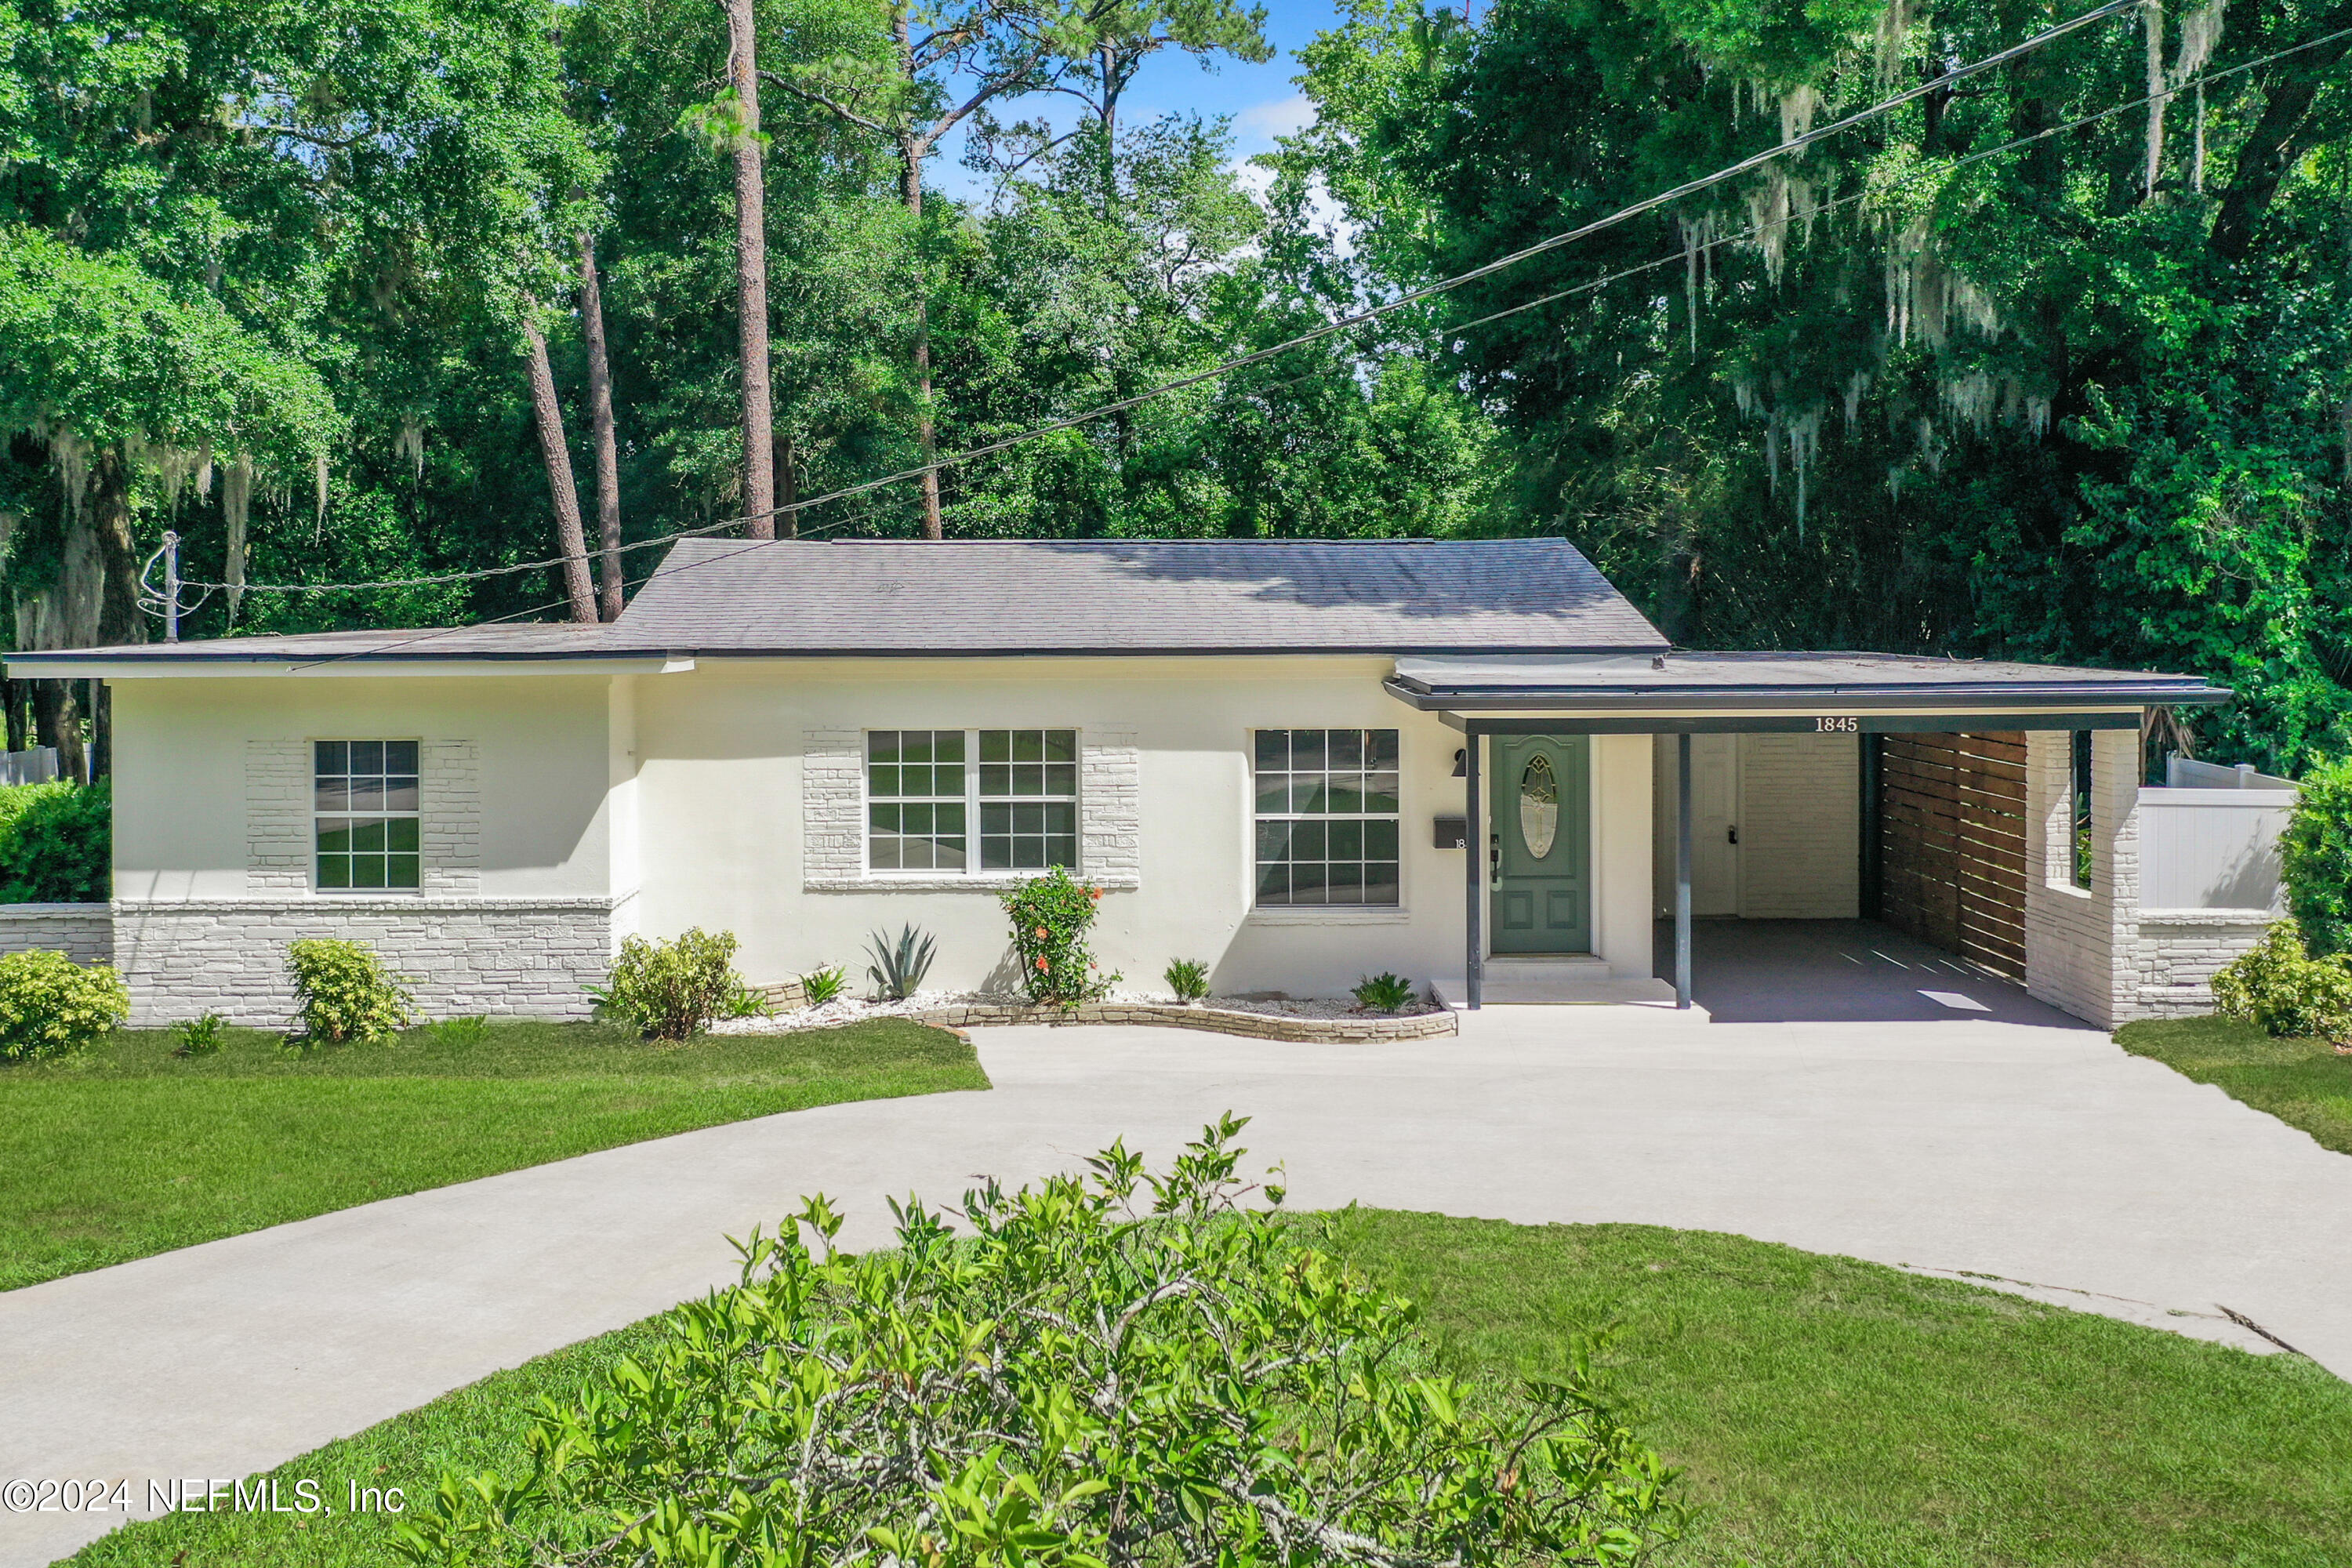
{"points": [[1474, 859], [1681, 869]]}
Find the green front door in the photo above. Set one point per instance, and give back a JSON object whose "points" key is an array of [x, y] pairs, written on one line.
{"points": [[1543, 861]]}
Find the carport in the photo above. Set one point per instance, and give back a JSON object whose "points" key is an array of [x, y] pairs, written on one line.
{"points": [[1950, 796]]}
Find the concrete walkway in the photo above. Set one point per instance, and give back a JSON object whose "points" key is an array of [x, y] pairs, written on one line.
{"points": [[2036, 1153]]}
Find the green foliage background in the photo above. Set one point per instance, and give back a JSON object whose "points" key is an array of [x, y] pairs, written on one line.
{"points": [[1951, 396], [56, 844]]}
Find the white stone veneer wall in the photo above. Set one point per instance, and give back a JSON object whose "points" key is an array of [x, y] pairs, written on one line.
{"points": [[507, 957], [460, 952], [2176, 952], [2093, 952], [2077, 940], [83, 932], [832, 818]]}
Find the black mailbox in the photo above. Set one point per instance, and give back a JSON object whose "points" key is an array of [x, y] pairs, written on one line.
{"points": [[1452, 831]]}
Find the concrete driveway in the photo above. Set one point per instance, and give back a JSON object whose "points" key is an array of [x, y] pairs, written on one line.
{"points": [[2034, 1152]]}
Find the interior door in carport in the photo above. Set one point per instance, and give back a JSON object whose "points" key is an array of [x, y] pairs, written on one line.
{"points": [[1714, 825], [1543, 861]]}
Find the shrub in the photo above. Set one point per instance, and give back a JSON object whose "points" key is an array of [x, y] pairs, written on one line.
{"points": [[746, 1001], [672, 990], [2315, 858], [1050, 916], [2289, 993], [1384, 992], [1188, 978], [56, 844], [200, 1035], [820, 986], [344, 995], [52, 1006], [899, 967], [1114, 1369]]}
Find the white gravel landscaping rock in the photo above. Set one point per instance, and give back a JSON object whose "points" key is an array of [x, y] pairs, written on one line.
{"points": [[850, 1010]]}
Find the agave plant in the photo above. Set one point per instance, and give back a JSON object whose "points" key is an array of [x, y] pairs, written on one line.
{"points": [[899, 967]]}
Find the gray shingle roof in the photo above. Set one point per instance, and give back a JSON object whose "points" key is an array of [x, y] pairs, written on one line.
{"points": [[1133, 596]]}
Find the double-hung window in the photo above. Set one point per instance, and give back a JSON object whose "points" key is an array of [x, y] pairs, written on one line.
{"points": [[928, 790], [363, 809], [1327, 816]]}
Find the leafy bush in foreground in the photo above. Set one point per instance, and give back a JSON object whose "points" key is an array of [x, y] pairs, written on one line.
{"points": [[1075, 1383], [52, 1006], [342, 994], [672, 990], [2291, 995]]}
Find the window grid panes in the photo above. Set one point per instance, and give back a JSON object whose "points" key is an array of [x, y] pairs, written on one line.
{"points": [[916, 783], [363, 801], [924, 789], [1028, 799], [1327, 816]]}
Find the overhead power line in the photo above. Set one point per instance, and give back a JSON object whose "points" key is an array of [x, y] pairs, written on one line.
{"points": [[1752, 231], [1328, 330]]}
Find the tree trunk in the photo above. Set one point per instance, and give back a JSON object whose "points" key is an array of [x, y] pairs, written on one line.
{"points": [[910, 191], [58, 714], [788, 490], [600, 429], [752, 274], [101, 730], [552, 446], [107, 510], [11, 697], [2279, 139]]}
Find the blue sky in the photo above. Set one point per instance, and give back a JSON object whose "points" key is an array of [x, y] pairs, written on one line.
{"points": [[1261, 100]]}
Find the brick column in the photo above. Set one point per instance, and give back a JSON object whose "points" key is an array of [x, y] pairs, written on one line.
{"points": [[2081, 943]]}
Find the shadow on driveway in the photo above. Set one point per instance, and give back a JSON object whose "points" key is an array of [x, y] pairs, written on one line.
{"points": [[1785, 972]]}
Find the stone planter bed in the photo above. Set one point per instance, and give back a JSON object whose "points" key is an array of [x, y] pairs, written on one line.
{"points": [[1304, 1022], [1218, 1020]]}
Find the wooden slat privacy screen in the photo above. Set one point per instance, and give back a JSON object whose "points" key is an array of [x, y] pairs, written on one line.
{"points": [[1951, 844]]}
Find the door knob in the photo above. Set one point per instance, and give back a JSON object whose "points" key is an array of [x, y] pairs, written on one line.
{"points": [[1734, 832]]}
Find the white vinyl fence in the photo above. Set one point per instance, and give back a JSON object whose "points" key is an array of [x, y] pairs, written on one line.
{"points": [[38, 765], [2185, 773], [2214, 847]]}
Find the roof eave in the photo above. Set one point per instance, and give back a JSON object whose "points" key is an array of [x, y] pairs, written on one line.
{"points": [[86, 667], [1972, 697]]}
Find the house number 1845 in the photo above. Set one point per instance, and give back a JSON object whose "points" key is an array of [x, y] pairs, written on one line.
{"points": [[1846, 724]]}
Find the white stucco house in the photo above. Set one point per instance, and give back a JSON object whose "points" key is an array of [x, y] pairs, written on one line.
{"points": [[1269, 754]]}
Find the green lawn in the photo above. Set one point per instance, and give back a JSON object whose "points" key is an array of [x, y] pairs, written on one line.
{"points": [[128, 1150], [2304, 1083], [1830, 1414]]}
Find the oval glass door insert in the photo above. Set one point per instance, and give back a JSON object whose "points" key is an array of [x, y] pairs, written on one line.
{"points": [[1538, 807]]}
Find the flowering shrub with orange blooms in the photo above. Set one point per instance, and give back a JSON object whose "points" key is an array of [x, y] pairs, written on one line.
{"points": [[1050, 916]]}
